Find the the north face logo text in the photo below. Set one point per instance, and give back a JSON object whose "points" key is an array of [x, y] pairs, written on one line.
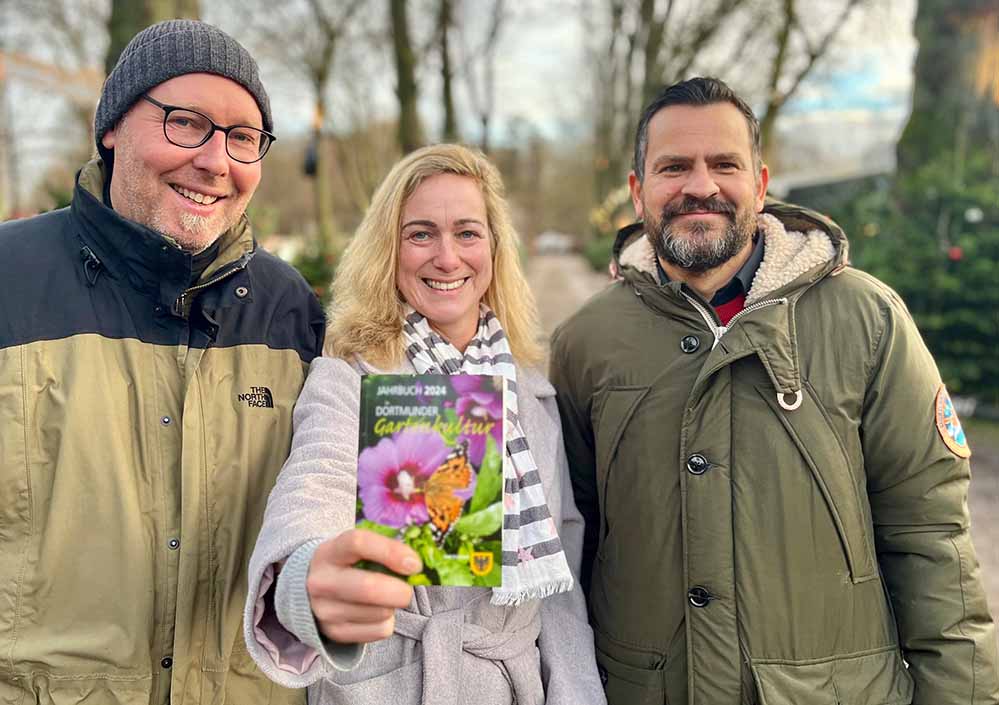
{"points": [[260, 397]]}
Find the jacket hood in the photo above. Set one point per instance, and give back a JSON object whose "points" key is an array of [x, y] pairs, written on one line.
{"points": [[801, 248], [797, 241]]}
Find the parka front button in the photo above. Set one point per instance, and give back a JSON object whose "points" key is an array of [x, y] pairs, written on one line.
{"points": [[242, 292], [166, 662], [166, 420], [690, 343], [698, 596], [697, 464], [173, 544]]}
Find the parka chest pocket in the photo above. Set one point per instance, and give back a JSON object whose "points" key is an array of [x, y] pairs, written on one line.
{"points": [[615, 410], [816, 440]]}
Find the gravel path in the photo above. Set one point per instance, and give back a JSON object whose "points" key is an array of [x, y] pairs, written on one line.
{"points": [[562, 283]]}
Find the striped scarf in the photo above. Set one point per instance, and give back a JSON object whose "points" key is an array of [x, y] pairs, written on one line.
{"points": [[534, 565]]}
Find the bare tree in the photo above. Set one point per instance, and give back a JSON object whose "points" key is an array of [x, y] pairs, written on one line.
{"points": [[637, 46], [641, 45], [609, 153], [9, 167], [366, 143], [410, 129], [478, 61], [956, 87], [69, 63], [784, 79], [305, 36], [63, 74], [128, 17], [445, 22]]}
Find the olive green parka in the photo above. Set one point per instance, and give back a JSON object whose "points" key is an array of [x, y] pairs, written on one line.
{"points": [[773, 513]]}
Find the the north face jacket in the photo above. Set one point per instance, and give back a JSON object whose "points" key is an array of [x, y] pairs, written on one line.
{"points": [[775, 510], [142, 425]]}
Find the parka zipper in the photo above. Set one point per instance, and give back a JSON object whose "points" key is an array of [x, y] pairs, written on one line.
{"points": [[717, 330], [178, 305], [755, 307]]}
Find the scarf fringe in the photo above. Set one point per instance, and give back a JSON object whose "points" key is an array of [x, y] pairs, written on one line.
{"points": [[503, 597]]}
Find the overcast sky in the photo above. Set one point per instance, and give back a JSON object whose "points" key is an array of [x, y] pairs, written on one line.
{"points": [[853, 105], [540, 74]]}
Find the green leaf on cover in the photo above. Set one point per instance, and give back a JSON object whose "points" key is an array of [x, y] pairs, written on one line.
{"points": [[455, 571], [381, 529], [489, 484], [481, 523]]}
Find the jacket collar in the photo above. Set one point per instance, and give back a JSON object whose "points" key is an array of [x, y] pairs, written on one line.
{"points": [[801, 247], [147, 260]]}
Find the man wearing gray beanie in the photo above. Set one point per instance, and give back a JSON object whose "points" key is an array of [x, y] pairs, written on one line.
{"points": [[150, 357]]}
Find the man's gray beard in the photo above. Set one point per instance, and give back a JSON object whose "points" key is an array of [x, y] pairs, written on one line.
{"points": [[697, 252], [196, 234]]}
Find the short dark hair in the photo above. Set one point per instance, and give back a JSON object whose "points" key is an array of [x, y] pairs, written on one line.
{"points": [[694, 91]]}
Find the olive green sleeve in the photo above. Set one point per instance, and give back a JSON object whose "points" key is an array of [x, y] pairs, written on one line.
{"points": [[578, 436], [918, 490]]}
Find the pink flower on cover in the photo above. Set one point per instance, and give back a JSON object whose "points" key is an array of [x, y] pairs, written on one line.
{"points": [[391, 476], [482, 406]]}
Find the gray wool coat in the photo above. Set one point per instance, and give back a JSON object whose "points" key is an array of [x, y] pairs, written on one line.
{"points": [[450, 645]]}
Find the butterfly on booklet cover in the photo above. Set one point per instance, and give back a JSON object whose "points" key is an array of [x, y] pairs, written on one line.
{"points": [[440, 491]]}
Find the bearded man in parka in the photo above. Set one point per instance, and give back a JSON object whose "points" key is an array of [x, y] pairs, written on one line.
{"points": [[150, 357], [772, 474]]}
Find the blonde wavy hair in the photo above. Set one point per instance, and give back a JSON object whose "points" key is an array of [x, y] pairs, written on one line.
{"points": [[367, 312]]}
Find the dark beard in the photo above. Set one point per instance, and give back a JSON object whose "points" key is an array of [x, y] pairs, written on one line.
{"points": [[692, 251]]}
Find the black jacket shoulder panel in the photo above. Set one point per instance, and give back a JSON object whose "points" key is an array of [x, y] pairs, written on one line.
{"points": [[55, 288], [275, 307], [43, 281]]}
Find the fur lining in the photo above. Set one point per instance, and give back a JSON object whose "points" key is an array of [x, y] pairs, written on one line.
{"points": [[639, 255], [787, 254]]}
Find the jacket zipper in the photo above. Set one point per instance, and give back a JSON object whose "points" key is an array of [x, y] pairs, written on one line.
{"points": [[755, 307], [719, 331], [178, 305]]}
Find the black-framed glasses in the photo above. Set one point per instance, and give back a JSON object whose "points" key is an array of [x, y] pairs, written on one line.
{"points": [[189, 128]]}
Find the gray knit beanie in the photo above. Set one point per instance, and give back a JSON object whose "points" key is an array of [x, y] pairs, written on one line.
{"points": [[173, 48]]}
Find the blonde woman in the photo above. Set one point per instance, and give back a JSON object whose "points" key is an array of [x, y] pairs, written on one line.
{"points": [[431, 282]]}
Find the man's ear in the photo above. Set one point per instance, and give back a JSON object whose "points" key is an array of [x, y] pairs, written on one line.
{"points": [[635, 186], [761, 187], [108, 140]]}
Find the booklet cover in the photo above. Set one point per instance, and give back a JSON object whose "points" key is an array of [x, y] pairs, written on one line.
{"points": [[430, 472]]}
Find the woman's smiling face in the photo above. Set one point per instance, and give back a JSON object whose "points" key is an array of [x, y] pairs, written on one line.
{"points": [[445, 255]]}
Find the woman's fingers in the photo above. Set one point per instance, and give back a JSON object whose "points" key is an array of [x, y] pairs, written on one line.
{"points": [[352, 605], [336, 583], [331, 575], [358, 544], [336, 612], [356, 606]]}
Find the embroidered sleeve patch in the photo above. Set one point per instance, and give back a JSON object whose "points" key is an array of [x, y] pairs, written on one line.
{"points": [[949, 425]]}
